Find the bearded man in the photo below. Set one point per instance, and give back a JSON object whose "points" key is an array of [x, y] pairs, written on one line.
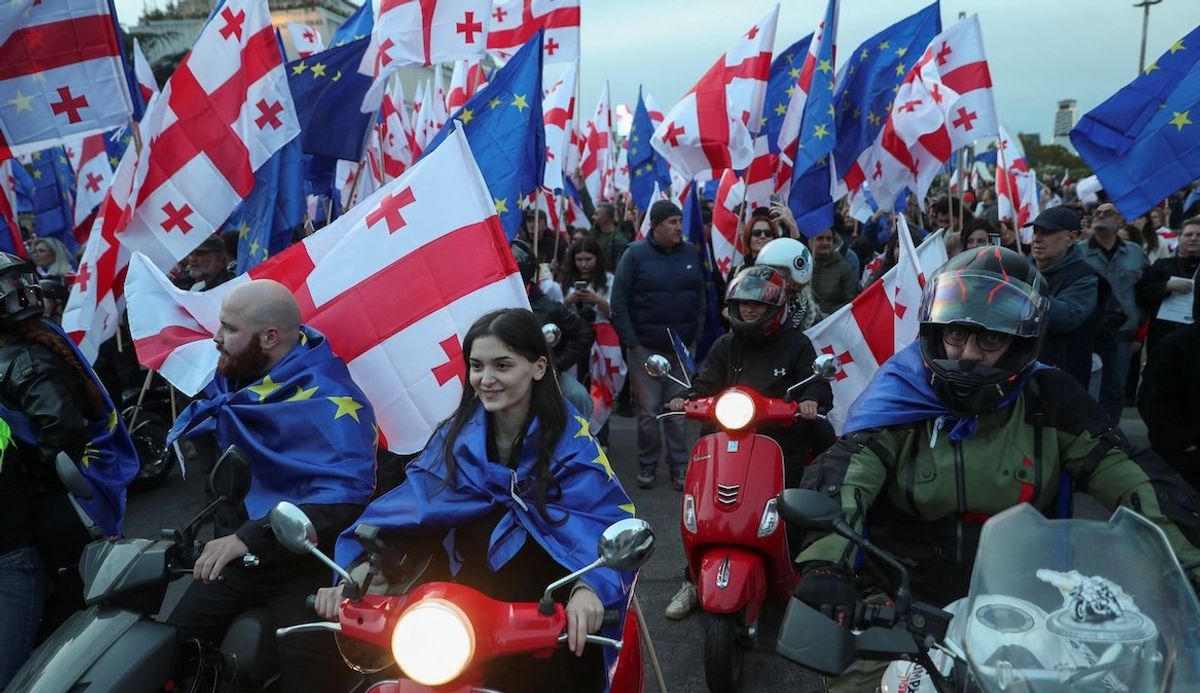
{"points": [[287, 401]]}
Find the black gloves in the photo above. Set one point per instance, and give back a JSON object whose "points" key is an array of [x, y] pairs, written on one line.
{"points": [[828, 588]]}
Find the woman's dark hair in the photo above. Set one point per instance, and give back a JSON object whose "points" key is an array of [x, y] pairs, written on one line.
{"points": [[974, 225], [570, 273], [890, 248], [1147, 236], [519, 330]]}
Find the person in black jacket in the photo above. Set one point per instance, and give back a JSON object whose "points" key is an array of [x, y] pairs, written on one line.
{"points": [[764, 352], [1169, 399], [41, 378], [1170, 275]]}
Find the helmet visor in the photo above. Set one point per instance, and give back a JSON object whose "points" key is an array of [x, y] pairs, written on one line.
{"points": [[756, 285], [991, 301]]}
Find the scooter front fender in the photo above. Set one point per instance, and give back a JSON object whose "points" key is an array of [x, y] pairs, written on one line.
{"points": [[731, 579]]}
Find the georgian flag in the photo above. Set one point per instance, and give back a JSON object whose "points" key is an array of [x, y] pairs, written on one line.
{"points": [[224, 112], [878, 322], [147, 84], [608, 370], [431, 236], [305, 38], [558, 115], [596, 164], [726, 222], [514, 22], [1012, 203], [467, 79], [709, 130], [944, 103], [92, 177]]}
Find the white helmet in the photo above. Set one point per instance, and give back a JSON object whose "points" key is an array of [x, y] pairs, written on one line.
{"points": [[789, 255]]}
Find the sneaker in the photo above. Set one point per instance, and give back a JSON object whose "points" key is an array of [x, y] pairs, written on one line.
{"points": [[678, 476], [645, 478], [682, 603]]}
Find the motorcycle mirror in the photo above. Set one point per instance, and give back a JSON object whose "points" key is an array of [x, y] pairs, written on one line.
{"points": [[230, 476], [552, 333], [72, 479], [809, 509], [292, 528], [626, 544], [825, 366], [657, 366]]}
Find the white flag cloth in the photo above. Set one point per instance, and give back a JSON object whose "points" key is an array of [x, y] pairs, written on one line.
{"points": [[92, 177], [597, 162], [727, 251], [306, 39], [558, 114], [514, 22], [431, 236]]}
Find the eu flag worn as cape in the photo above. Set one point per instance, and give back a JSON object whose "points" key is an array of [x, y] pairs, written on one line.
{"points": [[592, 499], [503, 124], [306, 428], [109, 461], [1143, 142]]}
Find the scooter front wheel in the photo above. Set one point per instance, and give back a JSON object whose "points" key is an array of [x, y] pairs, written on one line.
{"points": [[723, 653]]}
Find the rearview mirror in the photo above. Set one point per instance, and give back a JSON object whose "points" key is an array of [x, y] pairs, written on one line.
{"points": [[292, 528], [657, 366], [72, 479], [230, 476], [825, 366], [626, 544], [809, 509]]}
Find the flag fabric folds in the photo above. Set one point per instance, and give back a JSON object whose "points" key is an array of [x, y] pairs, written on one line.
{"points": [[431, 236], [53, 204], [596, 165], [305, 38], [693, 228], [558, 113], [726, 222], [608, 369], [514, 22], [646, 166], [270, 215], [327, 90], [92, 178], [357, 26], [503, 124], [1142, 141], [61, 73], [785, 70]]}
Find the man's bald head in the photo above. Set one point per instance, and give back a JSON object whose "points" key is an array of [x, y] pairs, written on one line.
{"points": [[260, 324]]}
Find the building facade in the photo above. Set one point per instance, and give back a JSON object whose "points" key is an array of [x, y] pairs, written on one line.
{"points": [[1064, 120]]}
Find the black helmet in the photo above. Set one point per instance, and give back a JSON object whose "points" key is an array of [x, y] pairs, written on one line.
{"points": [[53, 288], [526, 260], [20, 295], [761, 284], [990, 288]]}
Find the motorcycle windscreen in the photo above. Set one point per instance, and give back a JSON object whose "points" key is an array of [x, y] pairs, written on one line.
{"points": [[812, 640], [1080, 605]]}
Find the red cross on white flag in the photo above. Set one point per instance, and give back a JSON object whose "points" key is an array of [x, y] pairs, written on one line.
{"points": [[61, 74], [514, 22], [877, 323], [944, 103], [709, 130], [597, 162], [431, 236], [147, 83], [421, 32], [726, 222], [395, 134], [558, 115], [306, 39], [468, 78], [92, 178], [224, 112]]}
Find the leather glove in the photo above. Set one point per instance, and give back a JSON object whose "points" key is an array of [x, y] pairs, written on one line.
{"points": [[828, 588]]}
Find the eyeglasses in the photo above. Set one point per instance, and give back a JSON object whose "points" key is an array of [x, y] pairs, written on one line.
{"points": [[762, 233], [957, 335]]}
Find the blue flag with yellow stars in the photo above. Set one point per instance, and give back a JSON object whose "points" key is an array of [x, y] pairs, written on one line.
{"points": [[504, 127], [1143, 142], [785, 70], [53, 203], [109, 461], [646, 166], [871, 77], [592, 498], [306, 428], [693, 228], [328, 91], [809, 199], [357, 26], [266, 220]]}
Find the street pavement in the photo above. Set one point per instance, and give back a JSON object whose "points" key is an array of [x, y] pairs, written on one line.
{"points": [[679, 644]]}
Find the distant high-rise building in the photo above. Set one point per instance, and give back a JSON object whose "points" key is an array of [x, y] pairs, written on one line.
{"points": [[1064, 120]]}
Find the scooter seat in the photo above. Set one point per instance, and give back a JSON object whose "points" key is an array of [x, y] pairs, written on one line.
{"points": [[250, 644]]}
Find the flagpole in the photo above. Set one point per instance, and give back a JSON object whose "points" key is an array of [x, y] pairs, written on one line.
{"points": [[137, 136], [962, 158]]}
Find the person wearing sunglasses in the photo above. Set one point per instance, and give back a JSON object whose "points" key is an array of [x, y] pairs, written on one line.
{"points": [[963, 424]]}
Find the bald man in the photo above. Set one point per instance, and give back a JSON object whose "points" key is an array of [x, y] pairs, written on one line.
{"points": [[288, 403]]}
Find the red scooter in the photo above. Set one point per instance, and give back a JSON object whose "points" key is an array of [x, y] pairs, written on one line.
{"points": [[735, 545], [441, 634]]}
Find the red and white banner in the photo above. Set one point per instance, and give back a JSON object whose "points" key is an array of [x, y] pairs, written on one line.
{"points": [[395, 135], [944, 104], [514, 22], [760, 175], [8, 201], [92, 178], [558, 115], [467, 79], [878, 322], [1012, 197], [597, 162], [608, 371], [726, 222], [147, 84], [709, 130], [61, 74], [306, 39], [225, 111], [421, 32], [620, 175], [431, 235]]}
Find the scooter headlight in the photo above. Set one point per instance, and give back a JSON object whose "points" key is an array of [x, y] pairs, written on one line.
{"points": [[734, 409], [433, 642]]}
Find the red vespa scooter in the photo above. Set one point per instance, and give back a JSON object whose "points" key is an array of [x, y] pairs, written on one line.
{"points": [[441, 634], [735, 545]]}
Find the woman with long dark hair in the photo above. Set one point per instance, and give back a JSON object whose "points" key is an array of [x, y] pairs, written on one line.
{"points": [[515, 493], [587, 283]]}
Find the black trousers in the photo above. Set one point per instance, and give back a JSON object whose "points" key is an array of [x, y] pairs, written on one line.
{"points": [[308, 661]]}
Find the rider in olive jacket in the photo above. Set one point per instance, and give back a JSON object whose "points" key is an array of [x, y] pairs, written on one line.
{"points": [[967, 423]]}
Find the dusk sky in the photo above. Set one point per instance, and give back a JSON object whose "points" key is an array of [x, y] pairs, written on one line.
{"points": [[1040, 51]]}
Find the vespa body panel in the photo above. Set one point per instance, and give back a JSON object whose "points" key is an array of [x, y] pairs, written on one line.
{"points": [[731, 579]]}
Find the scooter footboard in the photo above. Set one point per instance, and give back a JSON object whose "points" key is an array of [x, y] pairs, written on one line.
{"points": [[731, 579]]}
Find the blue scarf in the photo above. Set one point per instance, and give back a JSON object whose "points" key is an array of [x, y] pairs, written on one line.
{"points": [[306, 428]]}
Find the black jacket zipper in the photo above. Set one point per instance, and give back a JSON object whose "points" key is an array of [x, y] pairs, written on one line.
{"points": [[960, 482]]}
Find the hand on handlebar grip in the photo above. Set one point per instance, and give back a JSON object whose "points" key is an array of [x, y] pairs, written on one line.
{"points": [[829, 588]]}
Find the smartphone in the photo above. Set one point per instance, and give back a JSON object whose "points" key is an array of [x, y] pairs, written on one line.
{"points": [[580, 286], [994, 238]]}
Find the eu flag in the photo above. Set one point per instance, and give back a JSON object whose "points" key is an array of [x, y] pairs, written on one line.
{"points": [[1143, 142], [275, 207], [328, 91], [357, 26], [503, 125], [809, 199], [871, 77], [785, 70], [693, 226], [646, 166], [53, 203]]}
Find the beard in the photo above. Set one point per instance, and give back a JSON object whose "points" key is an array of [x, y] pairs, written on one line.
{"points": [[248, 364]]}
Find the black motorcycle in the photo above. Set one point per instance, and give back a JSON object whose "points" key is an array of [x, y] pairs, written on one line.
{"points": [[148, 413]]}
